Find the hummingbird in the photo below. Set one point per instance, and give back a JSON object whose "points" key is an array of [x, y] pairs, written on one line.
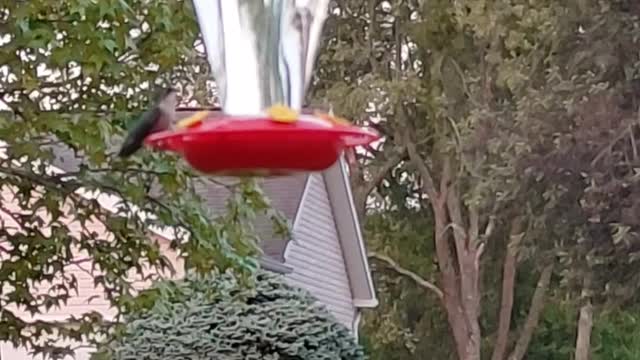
{"points": [[158, 118]]}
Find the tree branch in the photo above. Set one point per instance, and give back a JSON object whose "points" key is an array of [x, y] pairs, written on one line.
{"points": [[364, 188], [407, 273], [69, 186], [474, 224], [428, 185], [383, 170], [585, 321], [455, 213]]}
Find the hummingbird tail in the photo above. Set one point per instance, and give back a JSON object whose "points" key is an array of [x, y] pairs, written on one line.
{"points": [[129, 148]]}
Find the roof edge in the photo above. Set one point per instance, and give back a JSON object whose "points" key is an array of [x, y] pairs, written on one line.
{"points": [[296, 219], [275, 266], [350, 230], [366, 303], [303, 196]]}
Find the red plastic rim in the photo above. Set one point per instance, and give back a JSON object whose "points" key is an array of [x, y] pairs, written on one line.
{"points": [[261, 146]]}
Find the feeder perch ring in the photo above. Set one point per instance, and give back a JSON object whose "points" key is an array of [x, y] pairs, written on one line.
{"points": [[260, 145]]}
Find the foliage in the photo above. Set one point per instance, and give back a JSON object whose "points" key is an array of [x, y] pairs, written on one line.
{"points": [[430, 72], [216, 317], [581, 148], [73, 74], [412, 321], [554, 339], [533, 105], [613, 334]]}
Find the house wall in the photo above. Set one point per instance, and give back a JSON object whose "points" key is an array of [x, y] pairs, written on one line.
{"points": [[89, 297], [8, 352], [315, 253]]}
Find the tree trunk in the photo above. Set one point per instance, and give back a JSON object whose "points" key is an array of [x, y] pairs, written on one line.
{"points": [[466, 296], [470, 298], [585, 322], [461, 302], [535, 310], [508, 283], [585, 325], [458, 263]]}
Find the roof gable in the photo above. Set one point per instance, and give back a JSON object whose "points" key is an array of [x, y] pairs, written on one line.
{"points": [[284, 193]]}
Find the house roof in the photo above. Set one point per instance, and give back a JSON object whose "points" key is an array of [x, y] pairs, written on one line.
{"points": [[286, 194]]}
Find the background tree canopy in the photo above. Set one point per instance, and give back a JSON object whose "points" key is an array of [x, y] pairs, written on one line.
{"points": [[513, 126]]}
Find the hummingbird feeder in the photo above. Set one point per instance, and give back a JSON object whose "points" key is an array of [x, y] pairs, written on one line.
{"points": [[262, 54]]}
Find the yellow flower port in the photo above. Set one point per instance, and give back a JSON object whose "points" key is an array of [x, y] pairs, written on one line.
{"points": [[192, 120], [333, 119], [281, 113]]}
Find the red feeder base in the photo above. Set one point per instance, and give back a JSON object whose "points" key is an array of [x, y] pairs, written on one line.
{"points": [[260, 146]]}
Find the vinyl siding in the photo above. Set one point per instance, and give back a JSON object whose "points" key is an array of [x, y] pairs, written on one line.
{"points": [[316, 256], [89, 297]]}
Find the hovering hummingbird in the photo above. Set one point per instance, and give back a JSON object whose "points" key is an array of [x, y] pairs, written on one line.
{"points": [[160, 117]]}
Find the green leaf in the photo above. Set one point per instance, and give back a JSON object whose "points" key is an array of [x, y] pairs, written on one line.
{"points": [[110, 45], [23, 25]]}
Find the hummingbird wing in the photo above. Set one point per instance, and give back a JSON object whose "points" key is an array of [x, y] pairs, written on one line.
{"points": [[144, 127]]}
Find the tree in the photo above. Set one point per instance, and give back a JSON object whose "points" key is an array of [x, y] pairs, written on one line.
{"points": [[592, 162], [74, 73], [432, 73], [216, 317], [413, 321], [481, 104]]}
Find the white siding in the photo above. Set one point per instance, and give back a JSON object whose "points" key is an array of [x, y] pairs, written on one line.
{"points": [[316, 256], [90, 297], [8, 352]]}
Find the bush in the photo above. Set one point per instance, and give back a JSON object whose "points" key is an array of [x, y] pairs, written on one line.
{"points": [[217, 317]]}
